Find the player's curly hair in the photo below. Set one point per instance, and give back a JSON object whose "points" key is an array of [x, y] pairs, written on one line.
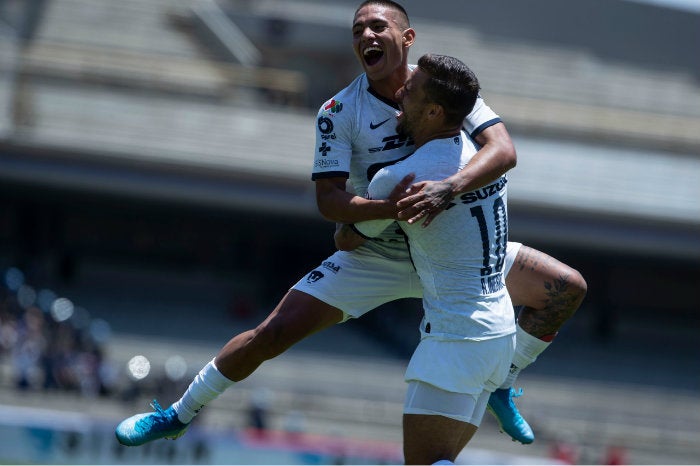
{"points": [[451, 84]]}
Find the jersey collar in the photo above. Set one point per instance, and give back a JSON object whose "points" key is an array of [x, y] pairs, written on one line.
{"points": [[390, 103]]}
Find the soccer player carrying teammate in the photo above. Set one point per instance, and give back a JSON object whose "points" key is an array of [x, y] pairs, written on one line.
{"points": [[355, 139], [468, 329]]}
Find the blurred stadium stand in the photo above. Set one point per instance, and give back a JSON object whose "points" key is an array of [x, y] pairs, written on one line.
{"points": [[152, 163]]}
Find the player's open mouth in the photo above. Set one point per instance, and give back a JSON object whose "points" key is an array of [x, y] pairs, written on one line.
{"points": [[372, 55]]}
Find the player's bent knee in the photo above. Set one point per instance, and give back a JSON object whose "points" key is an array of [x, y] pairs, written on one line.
{"points": [[570, 284], [579, 287]]}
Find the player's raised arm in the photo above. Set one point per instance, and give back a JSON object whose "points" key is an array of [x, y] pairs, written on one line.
{"points": [[496, 156]]}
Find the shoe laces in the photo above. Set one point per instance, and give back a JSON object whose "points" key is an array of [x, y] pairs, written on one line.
{"points": [[514, 394], [157, 408], [159, 417]]}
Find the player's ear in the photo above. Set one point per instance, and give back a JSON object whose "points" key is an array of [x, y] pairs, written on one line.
{"points": [[435, 110], [409, 36]]}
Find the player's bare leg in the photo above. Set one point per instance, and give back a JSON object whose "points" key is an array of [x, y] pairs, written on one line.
{"points": [[431, 438], [297, 316], [549, 293], [549, 290]]}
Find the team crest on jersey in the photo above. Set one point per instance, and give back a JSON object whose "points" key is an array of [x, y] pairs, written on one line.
{"points": [[333, 106], [314, 276]]}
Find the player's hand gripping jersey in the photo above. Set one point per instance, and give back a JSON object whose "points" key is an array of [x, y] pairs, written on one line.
{"points": [[356, 136], [461, 276]]}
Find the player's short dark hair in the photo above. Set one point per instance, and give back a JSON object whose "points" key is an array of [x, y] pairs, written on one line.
{"points": [[451, 84], [390, 4]]}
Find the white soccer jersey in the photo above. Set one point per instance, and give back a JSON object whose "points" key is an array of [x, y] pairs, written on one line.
{"points": [[460, 256], [356, 136]]}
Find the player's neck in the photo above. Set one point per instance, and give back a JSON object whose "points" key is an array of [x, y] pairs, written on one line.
{"points": [[423, 139], [387, 87]]}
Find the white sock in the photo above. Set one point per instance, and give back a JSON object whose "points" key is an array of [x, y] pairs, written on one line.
{"points": [[443, 462], [527, 348], [206, 386]]}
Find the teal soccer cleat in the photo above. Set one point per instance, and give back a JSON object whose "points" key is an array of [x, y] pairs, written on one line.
{"points": [[146, 427], [509, 419]]}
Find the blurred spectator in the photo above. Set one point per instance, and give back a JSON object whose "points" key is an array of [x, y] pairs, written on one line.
{"points": [[51, 344], [615, 455], [294, 425], [8, 327], [29, 349], [566, 450], [258, 411]]}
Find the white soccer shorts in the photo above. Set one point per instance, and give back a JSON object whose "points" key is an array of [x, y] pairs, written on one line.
{"points": [[358, 281], [455, 378]]}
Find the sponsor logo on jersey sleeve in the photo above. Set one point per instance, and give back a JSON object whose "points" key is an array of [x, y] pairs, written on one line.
{"points": [[332, 106], [325, 163], [325, 125], [324, 149]]}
